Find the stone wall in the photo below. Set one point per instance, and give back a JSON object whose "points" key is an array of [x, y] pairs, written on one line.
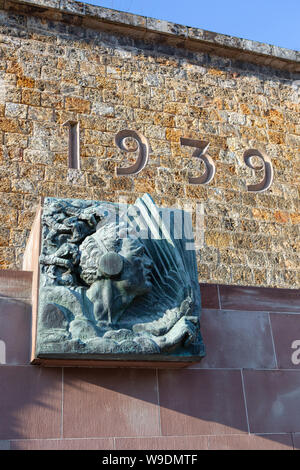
{"points": [[243, 395], [53, 71]]}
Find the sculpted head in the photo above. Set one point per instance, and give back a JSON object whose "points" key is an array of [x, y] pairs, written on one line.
{"points": [[106, 255]]}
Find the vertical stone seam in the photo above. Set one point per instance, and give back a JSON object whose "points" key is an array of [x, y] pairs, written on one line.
{"points": [[219, 298], [158, 401], [293, 441], [245, 401], [273, 343], [62, 404]]}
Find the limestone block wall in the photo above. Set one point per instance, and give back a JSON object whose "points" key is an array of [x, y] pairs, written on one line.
{"points": [[57, 67], [243, 395]]}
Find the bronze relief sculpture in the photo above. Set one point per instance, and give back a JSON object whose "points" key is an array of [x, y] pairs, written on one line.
{"points": [[117, 282]]}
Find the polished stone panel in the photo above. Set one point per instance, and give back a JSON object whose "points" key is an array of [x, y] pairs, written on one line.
{"points": [[15, 331], [209, 296], [31, 401], [237, 339], [195, 402], [130, 409], [260, 298], [286, 333], [273, 400], [105, 403]]}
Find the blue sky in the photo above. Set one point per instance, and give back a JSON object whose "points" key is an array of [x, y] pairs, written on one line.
{"points": [[271, 21]]}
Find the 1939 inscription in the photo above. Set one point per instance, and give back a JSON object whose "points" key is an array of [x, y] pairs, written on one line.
{"points": [[142, 148]]}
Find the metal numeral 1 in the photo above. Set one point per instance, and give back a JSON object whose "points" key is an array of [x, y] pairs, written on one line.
{"points": [[74, 144]]}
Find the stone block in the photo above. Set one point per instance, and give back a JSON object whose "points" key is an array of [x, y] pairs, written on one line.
{"points": [[114, 403], [15, 330], [286, 334], [263, 299], [237, 339], [30, 402], [277, 393], [201, 402]]}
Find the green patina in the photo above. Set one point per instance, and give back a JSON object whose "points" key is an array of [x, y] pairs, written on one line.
{"points": [[117, 282]]}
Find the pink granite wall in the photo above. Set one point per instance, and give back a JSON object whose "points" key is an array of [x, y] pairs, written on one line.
{"points": [[244, 395]]}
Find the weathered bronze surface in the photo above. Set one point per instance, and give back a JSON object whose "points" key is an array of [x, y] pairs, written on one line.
{"points": [[117, 282]]}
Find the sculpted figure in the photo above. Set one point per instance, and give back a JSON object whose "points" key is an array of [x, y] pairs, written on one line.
{"points": [[117, 271], [116, 287], [70, 222]]}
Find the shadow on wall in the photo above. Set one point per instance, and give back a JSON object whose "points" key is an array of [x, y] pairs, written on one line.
{"points": [[190, 408], [140, 408], [29, 396], [185, 404], [15, 331]]}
